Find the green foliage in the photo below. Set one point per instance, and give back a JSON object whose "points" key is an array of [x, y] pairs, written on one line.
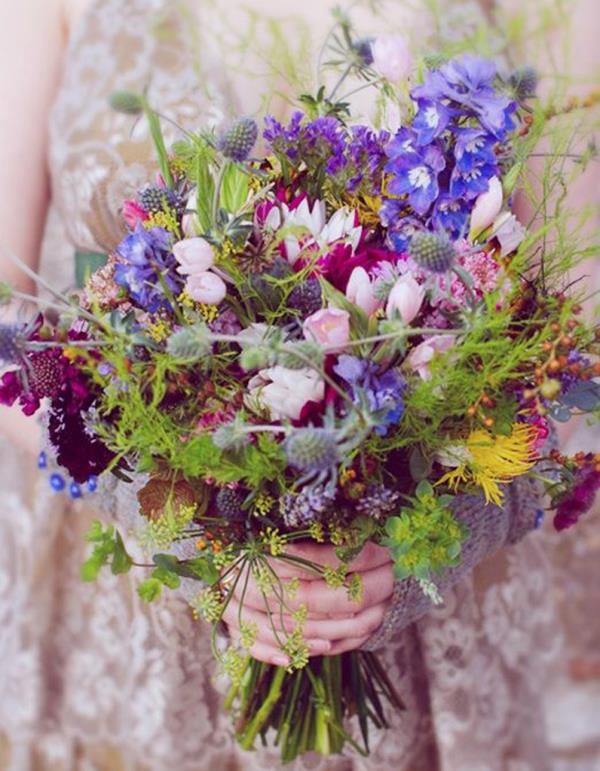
{"points": [[108, 549], [426, 537]]}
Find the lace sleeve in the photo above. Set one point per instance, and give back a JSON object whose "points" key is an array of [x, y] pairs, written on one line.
{"points": [[491, 528]]}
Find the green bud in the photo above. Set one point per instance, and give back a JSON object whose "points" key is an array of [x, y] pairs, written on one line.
{"points": [[127, 102], [6, 293], [254, 357]]}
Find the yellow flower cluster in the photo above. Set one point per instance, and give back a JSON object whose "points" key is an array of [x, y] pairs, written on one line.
{"points": [[490, 461]]}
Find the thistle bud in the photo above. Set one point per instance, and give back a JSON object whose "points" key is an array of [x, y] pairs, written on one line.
{"points": [[12, 343], [189, 343], [524, 81], [312, 449], [238, 140], [432, 251]]}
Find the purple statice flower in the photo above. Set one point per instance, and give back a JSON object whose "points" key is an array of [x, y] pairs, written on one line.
{"points": [[284, 139], [382, 391], [365, 156], [567, 378], [430, 121], [324, 139], [414, 170], [466, 84], [580, 497], [146, 260], [314, 142]]}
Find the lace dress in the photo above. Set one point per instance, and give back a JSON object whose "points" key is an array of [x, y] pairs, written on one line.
{"points": [[92, 678]]}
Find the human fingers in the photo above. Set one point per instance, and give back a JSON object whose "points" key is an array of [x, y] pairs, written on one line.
{"points": [[269, 629], [318, 597], [348, 644]]}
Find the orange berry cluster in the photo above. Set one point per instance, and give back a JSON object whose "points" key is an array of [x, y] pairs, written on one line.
{"points": [[479, 410], [580, 459]]}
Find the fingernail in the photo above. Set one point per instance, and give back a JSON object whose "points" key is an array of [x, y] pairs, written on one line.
{"points": [[280, 661], [319, 646]]}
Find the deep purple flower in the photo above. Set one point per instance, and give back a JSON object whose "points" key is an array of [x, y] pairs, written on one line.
{"points": [[414, 170], [467, 83], [579, 499], [146, 259], [77, 449], [381, 392]]}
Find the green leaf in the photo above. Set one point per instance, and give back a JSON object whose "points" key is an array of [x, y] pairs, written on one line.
{"points": [[167, 577], [96, 531], [204, 569], [92, 567], [121, 561], [234, 189], [424, 489], [150, 589], [419, 465]]}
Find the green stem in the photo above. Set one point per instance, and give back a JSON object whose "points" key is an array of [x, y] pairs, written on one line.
{"points": [[251, 732]]}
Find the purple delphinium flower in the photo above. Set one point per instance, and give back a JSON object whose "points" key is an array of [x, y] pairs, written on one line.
{"points": [[414, 171], [382, 391], [146, 259], [467, 82]]}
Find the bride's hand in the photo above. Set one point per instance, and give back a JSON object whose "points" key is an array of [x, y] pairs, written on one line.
{"points": [[335, 623]]}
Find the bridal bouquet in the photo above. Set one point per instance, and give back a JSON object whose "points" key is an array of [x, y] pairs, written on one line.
{"points": [[326, 340]]}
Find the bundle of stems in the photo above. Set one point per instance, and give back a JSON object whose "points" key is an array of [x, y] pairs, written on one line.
{"points": [[309, 709]]}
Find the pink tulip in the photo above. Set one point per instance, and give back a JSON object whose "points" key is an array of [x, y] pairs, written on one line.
{"points": [[487, 207], [194, 255], [206, 287], [391, 57], [133, 213], [361, 291], [330, 327], [284, 392], [405, 298], [420, 357]]}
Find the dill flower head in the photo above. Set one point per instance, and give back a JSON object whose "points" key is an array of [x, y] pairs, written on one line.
{"points": [[489, 461]]}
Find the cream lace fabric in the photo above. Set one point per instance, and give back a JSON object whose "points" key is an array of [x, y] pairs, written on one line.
{"points": [[92, 679]]}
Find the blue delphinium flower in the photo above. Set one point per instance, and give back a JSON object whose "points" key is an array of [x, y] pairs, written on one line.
{"points": [[451, 215], [430, 120], [382, 392], [467, 82], [414, 170], [146, 258]]}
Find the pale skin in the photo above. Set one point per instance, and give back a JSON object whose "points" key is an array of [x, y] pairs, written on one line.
{"points": [[33, 36]]}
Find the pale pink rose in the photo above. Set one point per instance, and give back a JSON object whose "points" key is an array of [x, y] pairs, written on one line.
{"points": [[420, 357], [330, 327], [487, 207], [284, 392], [206, 287], [361, 291], [194, 255], [509, 232], [406, 298], [133, 213], [391, 57]]}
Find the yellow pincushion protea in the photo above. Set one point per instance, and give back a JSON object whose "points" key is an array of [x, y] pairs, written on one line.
{"points": [[490, 461]]}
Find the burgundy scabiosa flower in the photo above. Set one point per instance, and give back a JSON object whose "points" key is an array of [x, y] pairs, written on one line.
{"points": [[580, 498]]}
